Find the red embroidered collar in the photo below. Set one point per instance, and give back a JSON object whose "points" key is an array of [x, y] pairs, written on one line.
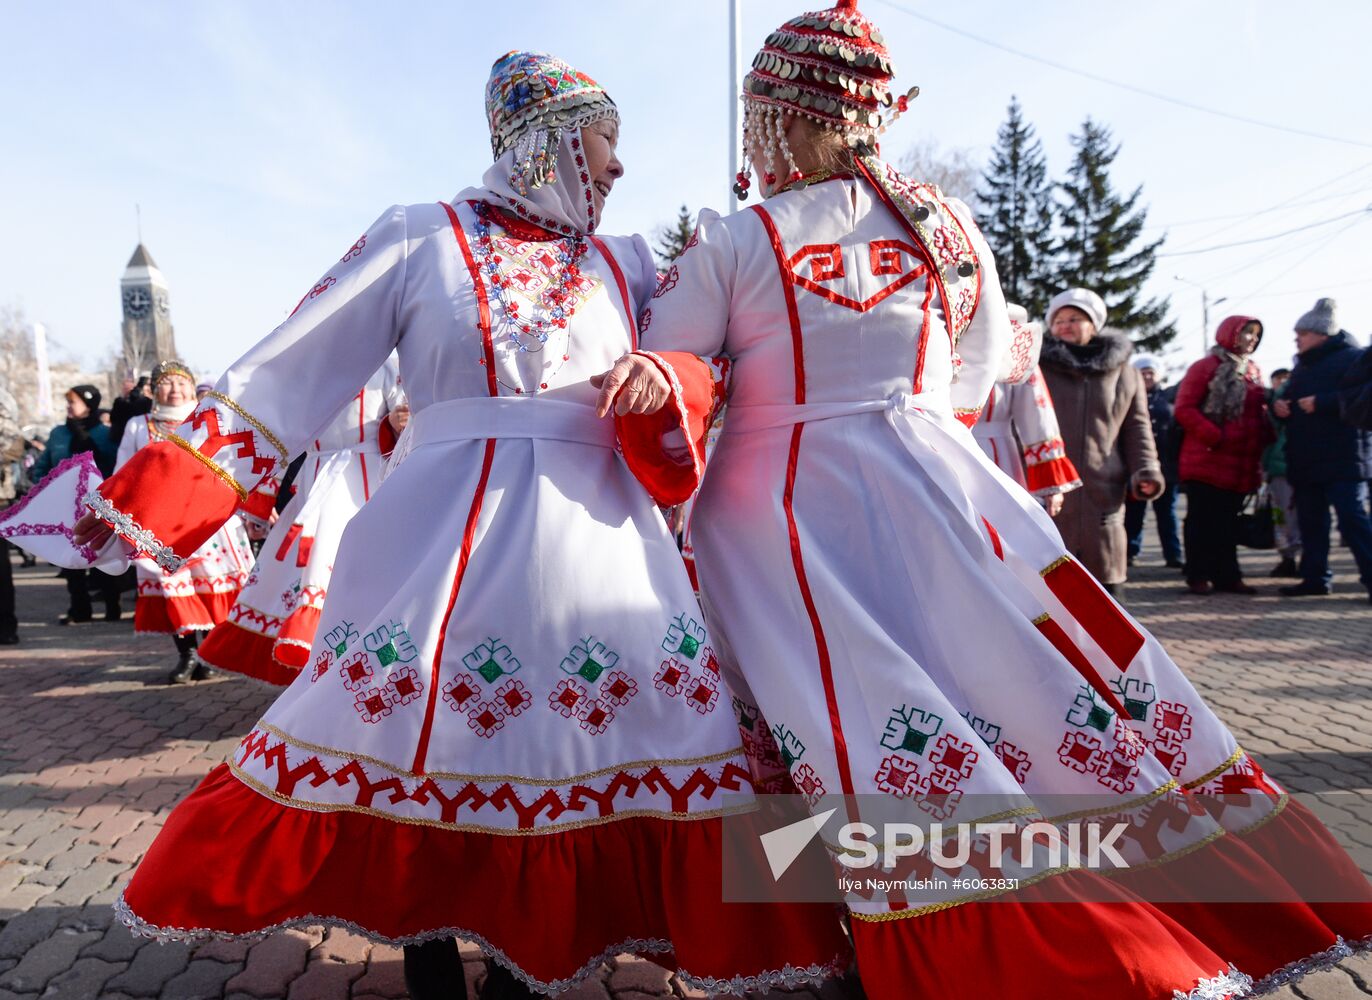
{"points": [[521, 229]]}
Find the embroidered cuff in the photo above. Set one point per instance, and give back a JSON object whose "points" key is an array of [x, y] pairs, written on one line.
{"points": [[138, 536], [666, 450], [1048, 470], [165, 502], [967, 415]]}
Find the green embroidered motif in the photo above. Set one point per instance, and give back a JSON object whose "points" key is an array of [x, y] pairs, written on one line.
{"points": [[391, 644], [910, 729], [1087, 713], [792, 749], [1137, 696], [491, 659], [988, 732], [341, 637], [588, 659], [684, 637], [747, 714]]}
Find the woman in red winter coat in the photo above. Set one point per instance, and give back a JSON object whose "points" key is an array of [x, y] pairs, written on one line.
{"points": [[1222, 409]]}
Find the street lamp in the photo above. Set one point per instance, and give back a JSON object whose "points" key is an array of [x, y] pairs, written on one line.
{"points": [[1206, 302]]}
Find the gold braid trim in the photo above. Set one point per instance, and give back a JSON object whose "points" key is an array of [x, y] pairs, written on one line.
{"points": [[1142, 800], [260, 427], [1233, 759], [555, 827], [1043, 618], [1059, 561], [519, 778], [189, 449]]}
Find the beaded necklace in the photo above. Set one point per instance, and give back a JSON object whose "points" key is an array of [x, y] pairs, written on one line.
{"points": [[551, 311]]}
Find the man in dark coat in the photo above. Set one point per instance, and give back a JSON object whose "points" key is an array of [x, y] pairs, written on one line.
{"points": [[1166, 440], [1328, 460]]}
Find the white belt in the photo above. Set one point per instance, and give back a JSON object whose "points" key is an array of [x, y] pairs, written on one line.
{"points": [[482, 417], [744, 419]]}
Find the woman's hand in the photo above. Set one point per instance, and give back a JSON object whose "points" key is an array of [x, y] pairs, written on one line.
{"points": [[1147, 489], [633, 385], [91, 531], [399, 417], [1053, 505], [1282, 408], [1307, 404]]}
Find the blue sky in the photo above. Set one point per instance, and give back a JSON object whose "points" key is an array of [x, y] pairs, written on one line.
{"points": [[261, 138]]}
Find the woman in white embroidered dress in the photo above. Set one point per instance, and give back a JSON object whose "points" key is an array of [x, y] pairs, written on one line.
{"points": [[904, 615], [271, 627], [512, 729], [1018, 430], [194, 599]]}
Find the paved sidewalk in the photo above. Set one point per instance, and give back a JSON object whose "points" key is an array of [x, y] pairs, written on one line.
{"points": [[95, 752]]}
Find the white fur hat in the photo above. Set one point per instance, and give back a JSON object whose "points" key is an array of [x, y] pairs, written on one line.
{"points": [[1081, 298]]}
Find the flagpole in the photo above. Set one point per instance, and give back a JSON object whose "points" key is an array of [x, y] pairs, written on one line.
{"points": [[735, 88]]}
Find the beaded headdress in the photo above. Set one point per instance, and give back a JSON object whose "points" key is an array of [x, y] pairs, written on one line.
{"points": [[531, 98], [830, 66], [165, 369]]}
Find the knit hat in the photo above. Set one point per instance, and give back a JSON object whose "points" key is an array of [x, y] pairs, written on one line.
{"points": [[1081, 298], [88, 394], [830, 66], [531, 98], [168, 368], [1142, 361], [1321, 319]]}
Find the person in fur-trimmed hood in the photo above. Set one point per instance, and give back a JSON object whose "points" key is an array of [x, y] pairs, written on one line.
{"points": [[1222, 406], [1103, 409]]}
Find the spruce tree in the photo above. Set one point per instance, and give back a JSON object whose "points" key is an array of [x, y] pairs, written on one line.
{"points": [[671, 240], [1016, 201], [1099, 232]]}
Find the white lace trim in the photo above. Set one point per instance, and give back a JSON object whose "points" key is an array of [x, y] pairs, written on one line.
{"points": [[1225, 985], [1293, 971], [140, 537], [788, 976]]}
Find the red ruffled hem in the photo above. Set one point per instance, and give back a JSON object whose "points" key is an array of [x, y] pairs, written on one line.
{"points": [[179, 615], [1274, 903], [1035, 946], [231, 861], [235, 649], [1056, 476], [296, 637]]}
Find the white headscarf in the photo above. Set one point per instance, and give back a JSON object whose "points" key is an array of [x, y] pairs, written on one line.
{"points": [[566, 205]]}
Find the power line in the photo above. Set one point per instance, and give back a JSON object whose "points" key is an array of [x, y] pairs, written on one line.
{"points": [[1155, 95], [1264, 239], [1334, 286], [1323, 244], [1285, 203], [1245, 216]]}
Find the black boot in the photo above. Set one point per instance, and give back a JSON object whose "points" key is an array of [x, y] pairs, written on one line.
{"points": [[1287, 567], [185, 646], [433, 971], [181, 674], [501, 984], [202, 669]]}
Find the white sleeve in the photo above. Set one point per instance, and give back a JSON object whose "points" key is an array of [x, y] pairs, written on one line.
{"points": [[308, 368], [689, 311], [989, 337]]}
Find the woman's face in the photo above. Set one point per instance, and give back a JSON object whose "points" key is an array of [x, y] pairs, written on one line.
{"points": [[1246, 340], [1073, 325], [599, 139], [76, 407], [174, 390]]}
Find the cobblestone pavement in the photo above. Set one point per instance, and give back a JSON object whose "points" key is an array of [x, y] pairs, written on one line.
{"points": [[95, 751]]}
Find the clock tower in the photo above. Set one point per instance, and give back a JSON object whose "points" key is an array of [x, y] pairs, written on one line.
{"points": [[147, 327]]}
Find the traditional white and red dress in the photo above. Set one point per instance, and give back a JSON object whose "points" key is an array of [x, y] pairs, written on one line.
{"points": [[271, 627], [1018, 430], [196, 596], [512, 728], [906, 621]]}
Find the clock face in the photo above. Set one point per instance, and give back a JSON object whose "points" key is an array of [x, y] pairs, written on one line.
{"points": [[137, 302], [163, 306]]}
